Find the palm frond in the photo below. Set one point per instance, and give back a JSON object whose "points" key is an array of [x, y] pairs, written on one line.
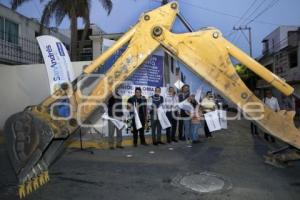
{"points": [[60, 13], [48, 12], [16, 3], [107, 5]]}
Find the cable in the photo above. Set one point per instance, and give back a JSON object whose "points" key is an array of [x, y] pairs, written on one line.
{"points": [[269, 6], [254, 11], [246, 12], [243, 15], [222, 13], [236, 36], [230, 34], [247, 39]]}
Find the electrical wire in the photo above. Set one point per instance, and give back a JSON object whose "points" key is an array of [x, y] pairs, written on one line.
{"points": [[268, 7], [242, 17], [246, 12], [254, 11], [222, 13]]}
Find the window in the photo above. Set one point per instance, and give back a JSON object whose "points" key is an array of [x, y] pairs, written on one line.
{"points": [[1, 28], [265, 46], [177, 71], [293, 59], [11, 31], [269, 67]]}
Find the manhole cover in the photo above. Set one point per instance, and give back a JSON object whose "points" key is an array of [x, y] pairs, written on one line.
{"points": [[202, 182]]}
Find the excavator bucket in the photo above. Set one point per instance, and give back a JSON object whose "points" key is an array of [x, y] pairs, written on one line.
{"points": [[31, 150]]}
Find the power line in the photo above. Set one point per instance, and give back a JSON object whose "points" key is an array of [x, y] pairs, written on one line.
{"points": [[269, 6], [254, 11], [246, 12], [237, 38], [222, 13], [242, 17]]}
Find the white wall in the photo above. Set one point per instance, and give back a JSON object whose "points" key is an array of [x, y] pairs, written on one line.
{"points": [[23, 85]]}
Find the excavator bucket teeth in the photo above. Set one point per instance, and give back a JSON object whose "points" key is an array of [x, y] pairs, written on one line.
{"points": [[27, 139], [31, 150], [36, 183], [22, 192]]}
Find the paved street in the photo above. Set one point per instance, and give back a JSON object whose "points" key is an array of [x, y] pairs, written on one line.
{"points": [[151, 172]]}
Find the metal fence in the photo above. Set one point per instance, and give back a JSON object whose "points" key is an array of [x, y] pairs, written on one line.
{"points": [[18, 50]]}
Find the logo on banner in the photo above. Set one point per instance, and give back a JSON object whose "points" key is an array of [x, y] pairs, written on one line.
{"points": [[60, 48]]}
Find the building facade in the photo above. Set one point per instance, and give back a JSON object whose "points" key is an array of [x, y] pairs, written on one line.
{"points": [[17, 38], [281, 55]]}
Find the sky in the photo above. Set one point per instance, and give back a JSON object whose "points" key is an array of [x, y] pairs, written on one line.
{"points": [[222, 14]]}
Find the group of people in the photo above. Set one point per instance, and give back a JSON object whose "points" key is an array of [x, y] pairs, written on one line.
{"points": [[187, 122]]}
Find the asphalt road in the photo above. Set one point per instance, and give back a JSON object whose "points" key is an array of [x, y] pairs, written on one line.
{"points": [[232, 154]]}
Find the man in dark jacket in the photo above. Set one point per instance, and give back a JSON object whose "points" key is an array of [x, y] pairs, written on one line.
{"points": [[183, 95], [156, 102], [138, 101], [115, 111]]}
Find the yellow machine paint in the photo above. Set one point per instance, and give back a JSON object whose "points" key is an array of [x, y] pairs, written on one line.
{"points": [[205, 52]]}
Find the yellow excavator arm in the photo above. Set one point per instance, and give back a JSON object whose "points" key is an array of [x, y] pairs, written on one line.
{"points": [[34, 138]]}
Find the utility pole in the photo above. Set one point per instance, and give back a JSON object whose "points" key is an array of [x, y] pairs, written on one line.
{"points": [[249, 38]]}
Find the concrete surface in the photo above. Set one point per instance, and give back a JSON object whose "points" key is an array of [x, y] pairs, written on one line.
{"points": [[112, 175]]}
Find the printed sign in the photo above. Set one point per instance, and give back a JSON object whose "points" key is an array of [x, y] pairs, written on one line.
{"points": [[57, 61], [147, 76]]}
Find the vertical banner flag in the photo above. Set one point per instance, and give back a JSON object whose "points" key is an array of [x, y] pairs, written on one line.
{"points": [[57, 61]]}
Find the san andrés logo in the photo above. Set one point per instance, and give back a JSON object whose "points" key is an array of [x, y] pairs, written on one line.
{"points": [[54, 65]]}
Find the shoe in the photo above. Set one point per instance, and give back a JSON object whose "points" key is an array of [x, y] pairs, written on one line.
{"points": [[144, 143], [120, 147], [161, 142], [111, 148], [196, 142], [174, 140], [135, 145], [155, 143]]}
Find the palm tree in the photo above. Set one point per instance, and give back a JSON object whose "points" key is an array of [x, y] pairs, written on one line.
{"points": [[73, 9]]}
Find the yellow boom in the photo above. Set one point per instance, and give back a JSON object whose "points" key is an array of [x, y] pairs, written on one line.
{"points": [[34, 138]]}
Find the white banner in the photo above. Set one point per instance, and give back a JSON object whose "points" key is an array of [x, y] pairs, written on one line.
{"points": [[163, 119], [57, 61], [137, 120], [212, 120], [198, 95], [185, 105], [223, 118], [119, 124], [178, 84]]}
